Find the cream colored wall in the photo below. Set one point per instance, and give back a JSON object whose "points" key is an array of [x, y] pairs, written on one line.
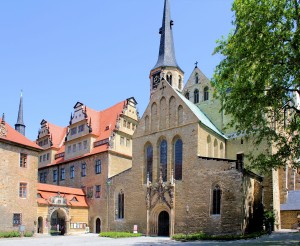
{"points": [[118, 164]]}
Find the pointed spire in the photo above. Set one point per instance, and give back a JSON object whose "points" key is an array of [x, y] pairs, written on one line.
{"points": [[3, 119], [19, 126], [166, 55]]}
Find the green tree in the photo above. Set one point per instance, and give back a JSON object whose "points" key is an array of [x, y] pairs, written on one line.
{"points": [[259, 77]]}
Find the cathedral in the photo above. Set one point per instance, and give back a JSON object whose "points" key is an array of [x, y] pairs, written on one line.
{"points": [[175, 169]]}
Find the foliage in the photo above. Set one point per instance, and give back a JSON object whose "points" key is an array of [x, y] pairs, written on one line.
{"points": [[203, 236], [259, 78], [269, 216], [10, 234], [28, 234], [113, 234]]}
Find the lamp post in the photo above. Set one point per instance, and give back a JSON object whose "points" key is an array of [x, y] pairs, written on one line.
{"points": [[108, 183]]}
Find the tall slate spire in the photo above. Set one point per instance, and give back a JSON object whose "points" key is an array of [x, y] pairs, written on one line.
{"points": [[19, 126], [166, 55]]}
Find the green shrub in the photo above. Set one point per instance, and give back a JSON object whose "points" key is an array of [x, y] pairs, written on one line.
{"points": [[203, 236], [28, 234], [113, 234], [10, 234]]}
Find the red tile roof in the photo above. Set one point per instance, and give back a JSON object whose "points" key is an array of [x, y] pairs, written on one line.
{"points": [[16, 137], [58, 134], [47, 191]]}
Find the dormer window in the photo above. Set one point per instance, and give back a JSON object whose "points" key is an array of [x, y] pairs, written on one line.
{"points": [[81, 128]]}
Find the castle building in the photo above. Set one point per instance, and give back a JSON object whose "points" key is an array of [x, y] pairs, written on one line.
{"points": [[18, 177], [95, 146], [182, 179]]}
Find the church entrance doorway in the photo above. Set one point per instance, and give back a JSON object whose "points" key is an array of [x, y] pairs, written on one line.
{"points": [[58, 222], [40, 225], [163, 224], [98, 225]]}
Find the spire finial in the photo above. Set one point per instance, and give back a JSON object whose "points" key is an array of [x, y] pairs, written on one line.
{"points": [[3, 119], [19, 126], [196, 64], [166, 55]]}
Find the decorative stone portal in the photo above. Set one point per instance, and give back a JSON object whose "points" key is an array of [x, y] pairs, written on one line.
{"points": [[164, 224], [160, 207], [98, 225], [58, 221]]}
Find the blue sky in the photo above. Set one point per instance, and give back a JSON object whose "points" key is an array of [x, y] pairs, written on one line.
{"points": [[98, 52]]}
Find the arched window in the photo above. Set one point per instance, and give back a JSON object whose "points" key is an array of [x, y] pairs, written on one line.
{"points": [[179, 82], [178, 159], [206, 94], [147, 124], [149, 162], [154, 119], [196, 96], [209, 147], [216, 154], [120, 212], [196, 78], [169, 78], [162, 113], [180, 115], [221, 150], [216, 200], [187, 96], [163, 149]]}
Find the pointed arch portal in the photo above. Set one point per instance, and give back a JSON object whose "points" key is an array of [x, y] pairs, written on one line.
{"points": [[164, 224]]}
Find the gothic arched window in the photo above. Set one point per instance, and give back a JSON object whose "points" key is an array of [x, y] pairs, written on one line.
{"points": [[187, 96], [169, 78], [216, 200], [196, 96], [179, 83], [163, 149], [206, 94], [178, 159], [149, 161], [120, 212], [196, 78]]}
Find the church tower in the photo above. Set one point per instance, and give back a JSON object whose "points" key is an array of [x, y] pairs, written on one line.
{"points": [[166, 67], [19, 126]]}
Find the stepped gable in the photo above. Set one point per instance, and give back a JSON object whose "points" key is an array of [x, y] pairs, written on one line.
{"points": [[14, 136]]}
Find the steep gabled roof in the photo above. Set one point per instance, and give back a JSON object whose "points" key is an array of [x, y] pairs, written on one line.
{"points": [[57, 133], [200, 115], [16, 137]]}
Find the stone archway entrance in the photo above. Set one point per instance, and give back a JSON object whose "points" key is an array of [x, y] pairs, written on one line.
{"points": [[98, 225], [164, 224], [58, 222], [40, 225]]}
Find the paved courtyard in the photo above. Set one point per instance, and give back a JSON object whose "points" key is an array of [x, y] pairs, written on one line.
{"points": [[93, 240]]}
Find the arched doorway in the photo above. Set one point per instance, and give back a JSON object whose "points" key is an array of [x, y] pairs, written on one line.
{"points": [[163, 224], [40, 225], [58, 222], [98, 225]]}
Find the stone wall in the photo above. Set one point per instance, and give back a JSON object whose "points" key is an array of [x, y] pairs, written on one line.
{"points": [[290, 219]]}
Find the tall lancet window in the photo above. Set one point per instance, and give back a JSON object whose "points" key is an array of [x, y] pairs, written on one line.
{"points": [[169, 78], [206, 94], [163, 149], [216, 200], [196, 96], [178, 159], [196, 78], [120, 212], [179, 82], [149, 161]]}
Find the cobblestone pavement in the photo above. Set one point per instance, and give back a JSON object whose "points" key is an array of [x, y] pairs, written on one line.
{"points": [[93, 240]]}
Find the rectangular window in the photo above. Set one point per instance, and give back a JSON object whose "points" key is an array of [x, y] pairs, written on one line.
{"points": [[41, 158], [83, 170], [54, 175], [81, 128], [79, 146], [124, 123], [85, 144], [45, 141], [69, 149], [74, 131], [122, 141], [48, 156], [98, 166], [23, 160], [62, 174], [45, 177], [89, 192], [128, 124], [98, 191], [72, 172], [128, 142], [44, 157], [41, 177], [23, 190], [17, 219], [74, 148]]}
